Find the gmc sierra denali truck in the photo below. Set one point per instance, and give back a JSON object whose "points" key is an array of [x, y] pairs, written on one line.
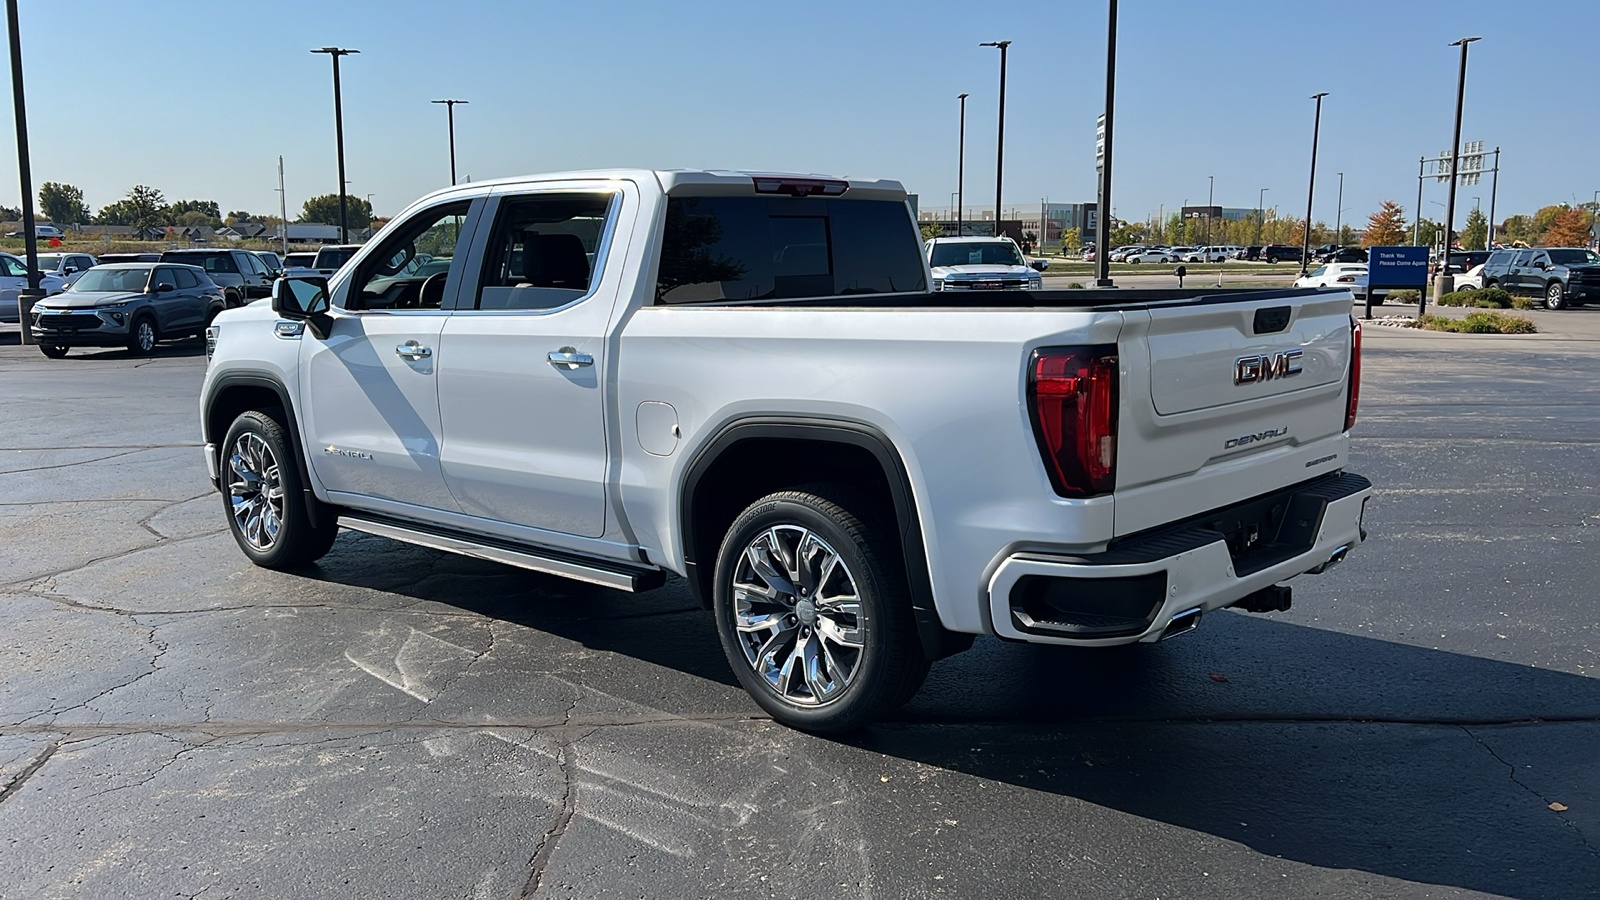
{"points": [[744, 380]]}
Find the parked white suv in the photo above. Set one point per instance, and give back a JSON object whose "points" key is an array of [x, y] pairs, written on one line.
{"points": [[744, 380]]}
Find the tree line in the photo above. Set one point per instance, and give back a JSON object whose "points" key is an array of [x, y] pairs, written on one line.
{"points": [[1557, 225], [147, 207]]}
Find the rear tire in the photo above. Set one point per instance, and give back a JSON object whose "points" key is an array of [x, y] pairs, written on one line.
{"points": [[262, 497], [814, 610], [54, 351]]}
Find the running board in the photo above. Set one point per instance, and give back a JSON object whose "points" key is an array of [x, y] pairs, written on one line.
{"points": [[605, 574]]}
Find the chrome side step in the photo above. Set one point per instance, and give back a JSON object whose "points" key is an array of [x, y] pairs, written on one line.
{"points": [[605, 574]]}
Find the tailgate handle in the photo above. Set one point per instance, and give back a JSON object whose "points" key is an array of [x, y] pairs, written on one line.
{"points": [[1272, 319]]}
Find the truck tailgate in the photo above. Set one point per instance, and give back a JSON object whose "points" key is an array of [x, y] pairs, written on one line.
{"points": [[1228, 400]]}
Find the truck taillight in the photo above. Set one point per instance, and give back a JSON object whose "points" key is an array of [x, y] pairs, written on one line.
{"points": [[1355, 374], [1072, 399]]}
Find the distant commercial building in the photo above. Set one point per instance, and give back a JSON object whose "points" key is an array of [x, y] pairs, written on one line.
{"points": [[1219, 213], [1047, 221]]}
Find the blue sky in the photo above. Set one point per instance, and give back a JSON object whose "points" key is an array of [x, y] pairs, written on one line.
{"points": [[199, 99]]}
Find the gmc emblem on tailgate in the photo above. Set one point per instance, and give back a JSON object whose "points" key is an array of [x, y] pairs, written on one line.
{"points": [[1250, 369]]}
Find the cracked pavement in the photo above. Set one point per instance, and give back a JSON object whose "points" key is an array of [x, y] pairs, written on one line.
{"points": [[399, 722]]}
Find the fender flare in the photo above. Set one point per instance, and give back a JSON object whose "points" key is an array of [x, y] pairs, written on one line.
{"points": [[936, 641], [259, 379]]}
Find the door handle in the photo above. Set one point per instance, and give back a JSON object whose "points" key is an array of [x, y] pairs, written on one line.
{"points": [[569, 358], [413, 350]]}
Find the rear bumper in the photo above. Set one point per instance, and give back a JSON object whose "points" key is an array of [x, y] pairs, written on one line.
{"points": [[1135, 589]]}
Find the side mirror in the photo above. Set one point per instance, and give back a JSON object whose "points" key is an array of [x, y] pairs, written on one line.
{"points": [[1039, 265], [164, 287], [304, 300], [70, 270]]}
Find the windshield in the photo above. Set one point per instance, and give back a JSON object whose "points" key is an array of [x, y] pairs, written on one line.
{"points": [[103, 278], [1559, 257], [974, 253]]}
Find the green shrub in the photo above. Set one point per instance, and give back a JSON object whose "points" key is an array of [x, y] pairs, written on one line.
{"points": [[1076, 285], [1406, 296], [1479, 323], [1490, 298], [1525, 303]]}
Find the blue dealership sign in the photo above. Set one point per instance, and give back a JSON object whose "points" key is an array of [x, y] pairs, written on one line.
{"points": [[1397, 267]]}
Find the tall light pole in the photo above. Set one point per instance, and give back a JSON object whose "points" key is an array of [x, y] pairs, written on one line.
{"points": [[1102, 236], [1338, 214], [450, 112], [1447, 282], [961, 164], [25, 298], [1261, 212], [1211, 188], [338, 132], [1000, 141], [1316, 130]]}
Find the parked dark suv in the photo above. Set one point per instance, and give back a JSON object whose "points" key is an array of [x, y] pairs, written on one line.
{"points": [[1274, 253], [129, 305], [1563, 276], [242, 275]]}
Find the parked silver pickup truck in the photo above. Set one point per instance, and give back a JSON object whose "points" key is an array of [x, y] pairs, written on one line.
{"points": [[743, 380]]}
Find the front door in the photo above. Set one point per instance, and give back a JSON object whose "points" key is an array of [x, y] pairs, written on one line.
{"points": [[13, 280], [371, 386], [524, 406]]}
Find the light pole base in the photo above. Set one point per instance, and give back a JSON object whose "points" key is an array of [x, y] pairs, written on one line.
{"points": [[25, 302], [1442, 284], [1103, 283]]}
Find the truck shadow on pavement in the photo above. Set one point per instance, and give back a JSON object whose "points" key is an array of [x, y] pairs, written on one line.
{"points": [[1328, 749]]}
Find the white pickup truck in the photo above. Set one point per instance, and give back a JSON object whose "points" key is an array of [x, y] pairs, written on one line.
{"points": [[744, 380]]}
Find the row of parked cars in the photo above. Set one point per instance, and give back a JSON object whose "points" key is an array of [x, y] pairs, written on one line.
{"points": [[133, 300]]}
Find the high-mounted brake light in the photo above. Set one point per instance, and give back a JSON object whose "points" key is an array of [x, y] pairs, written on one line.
{"points": [[801, 187], [1072, 399], [1355, 374]]}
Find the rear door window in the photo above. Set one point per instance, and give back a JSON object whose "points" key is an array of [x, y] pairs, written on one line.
{"points": [[544, 250], [186, 278], [776, 248]]}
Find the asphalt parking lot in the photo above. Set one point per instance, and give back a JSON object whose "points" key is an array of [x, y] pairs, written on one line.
{"points": [[396, 722]]}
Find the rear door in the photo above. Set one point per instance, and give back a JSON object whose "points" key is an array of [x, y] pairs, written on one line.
{"points": [[521, 392]]}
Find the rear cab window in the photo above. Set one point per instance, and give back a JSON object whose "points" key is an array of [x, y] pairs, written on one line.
{"points": [[742, 248]]}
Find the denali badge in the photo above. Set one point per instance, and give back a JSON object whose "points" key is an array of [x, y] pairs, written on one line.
{"points": [[1270, 434], [1248, 369], [331, 450]]}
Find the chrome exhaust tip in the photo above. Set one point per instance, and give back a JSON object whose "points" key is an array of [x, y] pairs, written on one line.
{"points": [[1182, 623], [1337, 557]]}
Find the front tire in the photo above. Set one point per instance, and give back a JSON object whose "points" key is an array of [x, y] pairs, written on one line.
{"points": [[262, 497], [54, 351], [814, 611], [142, 336], [1555, 296]]}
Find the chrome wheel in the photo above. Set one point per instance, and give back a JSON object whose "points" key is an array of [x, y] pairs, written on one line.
{"points": [[797, 615], [144, 336], [255, 491], [1555, 297]]}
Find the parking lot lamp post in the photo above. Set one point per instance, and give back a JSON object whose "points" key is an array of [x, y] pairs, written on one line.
{"points": [[1102, 261], [1261, 212], [450, 114], [1000, 140], [1311, 189], [338, 134], [1211, 193], [1338, 213], [1445, 283], [26, 298], [961, 164]]}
